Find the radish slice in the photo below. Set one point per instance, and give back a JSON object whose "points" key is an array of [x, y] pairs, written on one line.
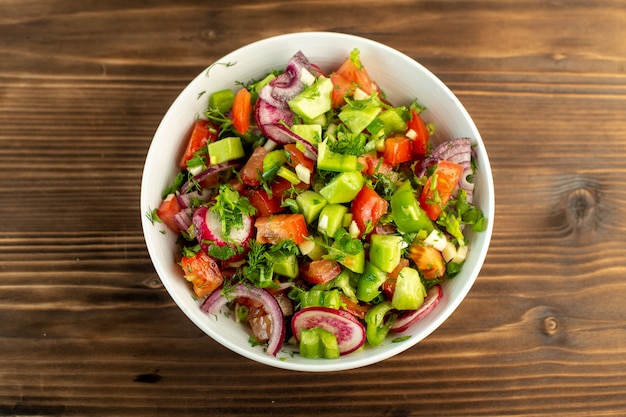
{"points": [[208, 227], [408, 318], [214, 303], [350, 333]]}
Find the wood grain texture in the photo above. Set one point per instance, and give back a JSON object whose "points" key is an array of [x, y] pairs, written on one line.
{"points": [[86, 328]]}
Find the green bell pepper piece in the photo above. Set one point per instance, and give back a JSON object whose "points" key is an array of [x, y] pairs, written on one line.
{"points": [[377, 327], [318, 343], [344, 282], [407, 213], [369, 283], [222, 100], [320, 298]]}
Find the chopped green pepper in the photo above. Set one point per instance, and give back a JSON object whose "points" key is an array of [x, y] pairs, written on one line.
{"points": [[406, 211], [318, 343], [370, 281], [222, 100], [376, 325]]}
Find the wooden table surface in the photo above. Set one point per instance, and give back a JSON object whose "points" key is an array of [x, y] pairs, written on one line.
{"points": [[86, 328]]}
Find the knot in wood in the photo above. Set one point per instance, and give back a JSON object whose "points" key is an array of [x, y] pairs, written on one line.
{"points": [[550, 325], [581, 209]]}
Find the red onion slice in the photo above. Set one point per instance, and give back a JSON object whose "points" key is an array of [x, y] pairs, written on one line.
{"points": [[214, 303], [287, 134], [211, 170]]}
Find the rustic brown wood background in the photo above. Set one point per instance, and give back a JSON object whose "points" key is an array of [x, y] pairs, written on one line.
{"points": [[86, 328]]}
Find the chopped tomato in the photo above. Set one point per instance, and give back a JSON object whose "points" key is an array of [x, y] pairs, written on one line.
{"points": [[168, 208], [439, 187], [342, 87], [281, 188], [296, 157], [356, 309], [398, 149], [357, 75], [203, 131], [273, 229], [428, 260], [203, 272], [251, 172], [265, 205], [373, 164], [242, 107], [420, 142], [367, 208], [320, 271], [389, 286]]}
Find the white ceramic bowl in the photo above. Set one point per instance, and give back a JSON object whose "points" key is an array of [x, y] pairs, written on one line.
{"points": [[403, 80]]}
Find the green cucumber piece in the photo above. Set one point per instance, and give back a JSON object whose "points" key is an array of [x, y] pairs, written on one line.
{"points": [[328, 160], [285, 265], [410, 292], [343, 188], [331, 218], [392, 121], [358, 118], [314, 100], [310, 204], [312, 133], [224, 150], [385, 251]]}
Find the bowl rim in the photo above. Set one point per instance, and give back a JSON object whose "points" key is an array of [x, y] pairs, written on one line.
{"points": [[349, 361]]}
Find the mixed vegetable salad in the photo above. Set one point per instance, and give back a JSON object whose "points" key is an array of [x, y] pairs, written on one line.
{"points": [[316, 212]]}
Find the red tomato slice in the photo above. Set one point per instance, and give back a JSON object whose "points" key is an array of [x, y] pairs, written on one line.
{"points": [[296, 157], [273, 229], [168, 208], [281, 188], [265, 205], [434, 198], [252, 170], [320, 271], [357, 76], [203, 131], [368, 207], [342, 87], [203, 272], [242, 108], [373, 164], [420, 142], [398, 149], [357, 310]]}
